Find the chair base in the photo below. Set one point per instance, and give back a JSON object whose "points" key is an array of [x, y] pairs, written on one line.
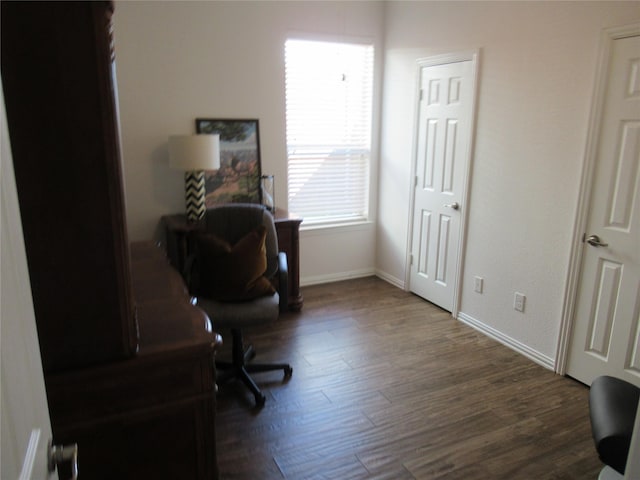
{"points": [[240, 368]]}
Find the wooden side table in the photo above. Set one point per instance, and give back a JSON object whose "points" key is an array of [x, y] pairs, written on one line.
{"points": [[177, 230], [288, 230], [287, 225]]}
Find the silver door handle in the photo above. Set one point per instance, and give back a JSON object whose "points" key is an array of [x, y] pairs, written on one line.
{"points": [[594, 240], [59, 454], [454, 205]]}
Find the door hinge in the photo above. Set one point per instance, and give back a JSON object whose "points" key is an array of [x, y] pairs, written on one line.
{"points": [[411, 259], [421, 94], [415, 181]]}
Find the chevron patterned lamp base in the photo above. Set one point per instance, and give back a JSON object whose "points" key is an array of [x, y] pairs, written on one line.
{"points": [[194, 194]]}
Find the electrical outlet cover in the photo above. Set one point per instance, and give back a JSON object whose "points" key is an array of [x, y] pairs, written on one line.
{"points": [[518, 301]]}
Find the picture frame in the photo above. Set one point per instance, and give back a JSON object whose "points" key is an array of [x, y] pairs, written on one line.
{"points": [[238, 178]]}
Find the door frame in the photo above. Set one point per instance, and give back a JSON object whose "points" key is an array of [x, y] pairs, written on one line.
{"points": [[608, 36], [25, 422], [455, 57]]}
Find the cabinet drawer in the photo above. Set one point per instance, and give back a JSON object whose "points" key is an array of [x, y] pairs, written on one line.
{"points": [[78, 397]]}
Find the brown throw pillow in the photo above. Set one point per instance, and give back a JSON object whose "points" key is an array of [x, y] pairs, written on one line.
{"points": [[233, 273]]}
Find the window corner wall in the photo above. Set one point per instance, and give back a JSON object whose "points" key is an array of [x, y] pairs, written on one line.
{"points": [[332, 92], [176, 62]]}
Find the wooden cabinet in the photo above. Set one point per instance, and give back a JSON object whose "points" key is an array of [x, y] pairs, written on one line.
{"points": [[61, 112], [287, 228], [133, 386], [150, 416]]}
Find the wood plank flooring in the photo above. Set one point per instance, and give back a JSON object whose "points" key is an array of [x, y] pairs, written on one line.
{"points": [[388, 386]]}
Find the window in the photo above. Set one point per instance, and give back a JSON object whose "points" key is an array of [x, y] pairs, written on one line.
{"points": [[329, 90]]}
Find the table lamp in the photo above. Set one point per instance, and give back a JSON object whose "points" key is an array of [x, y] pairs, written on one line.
{"points": [[194, 154]]}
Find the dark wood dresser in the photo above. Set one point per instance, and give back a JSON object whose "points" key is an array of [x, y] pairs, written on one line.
{"points": [[128, 361], [151, 415]]}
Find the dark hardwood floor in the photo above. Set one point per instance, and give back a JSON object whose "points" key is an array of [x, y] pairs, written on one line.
{"points": [[387, 386]]}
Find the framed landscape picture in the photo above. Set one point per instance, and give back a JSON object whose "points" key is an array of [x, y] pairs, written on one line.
{"points": [[238, 178]]}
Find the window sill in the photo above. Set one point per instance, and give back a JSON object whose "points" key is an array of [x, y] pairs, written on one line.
{"points": [[320, 228]]}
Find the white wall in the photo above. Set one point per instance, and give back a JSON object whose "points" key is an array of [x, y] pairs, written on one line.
{"points": [[182, 60], [537, 71], [177, 61]]}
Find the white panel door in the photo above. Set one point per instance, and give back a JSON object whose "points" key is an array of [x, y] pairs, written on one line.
{"points": [[443, 141], [606, 335]]}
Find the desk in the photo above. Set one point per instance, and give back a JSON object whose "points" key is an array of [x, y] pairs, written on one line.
{"points": [[287, 228]]}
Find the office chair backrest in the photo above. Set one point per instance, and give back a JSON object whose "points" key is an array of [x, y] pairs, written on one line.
{"points": [[234, 220]]}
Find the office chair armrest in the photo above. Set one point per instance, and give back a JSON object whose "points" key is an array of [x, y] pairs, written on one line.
{"points": [[283, 281]]}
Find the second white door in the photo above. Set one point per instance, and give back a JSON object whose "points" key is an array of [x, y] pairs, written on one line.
{"points": [[606, 329], [443, 148]]}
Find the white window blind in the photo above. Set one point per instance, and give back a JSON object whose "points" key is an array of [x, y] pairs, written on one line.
{"points": [[329, 89]]}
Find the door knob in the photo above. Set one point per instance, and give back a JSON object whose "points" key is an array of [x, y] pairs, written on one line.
{"points": [[454, 205], [59, 455], [594, 240]]}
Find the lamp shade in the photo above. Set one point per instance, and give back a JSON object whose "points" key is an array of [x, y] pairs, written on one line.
{"points": [[194, 152]]}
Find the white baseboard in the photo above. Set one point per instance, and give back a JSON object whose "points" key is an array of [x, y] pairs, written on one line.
{"points": [[336, 277], [396, 282], [519, 347]]}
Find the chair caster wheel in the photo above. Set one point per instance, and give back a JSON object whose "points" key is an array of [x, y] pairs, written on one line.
{"points": [[288, 372], [260, 399]]}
